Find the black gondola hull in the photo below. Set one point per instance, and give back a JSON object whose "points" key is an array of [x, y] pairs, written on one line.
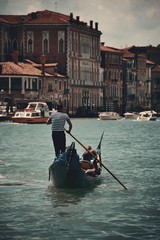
{"points": [[64, 176]]}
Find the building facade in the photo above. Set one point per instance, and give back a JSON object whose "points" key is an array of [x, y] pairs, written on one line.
{"points": [[137, 81], [111, 63], [155, 87], [65, 40], [22, 83]]}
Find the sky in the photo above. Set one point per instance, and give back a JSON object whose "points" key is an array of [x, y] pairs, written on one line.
{"points": [[123, 23]]}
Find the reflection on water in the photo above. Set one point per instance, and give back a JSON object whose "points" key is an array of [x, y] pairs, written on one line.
{"points": [[67, 196]]}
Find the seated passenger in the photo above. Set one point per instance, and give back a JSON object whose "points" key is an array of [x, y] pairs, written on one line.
{"points": [[92, 157], [87, 155]]}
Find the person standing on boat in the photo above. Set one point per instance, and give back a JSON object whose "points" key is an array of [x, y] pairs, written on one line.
{"points": [[58, 120], [42, 109]]}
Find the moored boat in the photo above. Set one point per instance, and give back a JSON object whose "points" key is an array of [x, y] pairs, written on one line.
{"points": [[5, 117], [131, 115], [5, 113], [68, 171], [147, 116], [36, 112], [109, 116]]}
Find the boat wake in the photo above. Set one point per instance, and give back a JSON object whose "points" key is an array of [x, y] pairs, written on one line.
{"points": [[12, 183]]}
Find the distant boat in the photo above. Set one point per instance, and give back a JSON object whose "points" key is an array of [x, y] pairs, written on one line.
{"points": [[131, 115], [4, 115], [36, 112], [109, 116], [147, 116]]}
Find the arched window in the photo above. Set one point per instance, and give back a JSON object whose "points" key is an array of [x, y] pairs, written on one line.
{"points": [[30, 44], [15, 45], [61, 43], [45, 46], [45, 42], [21, 47]]}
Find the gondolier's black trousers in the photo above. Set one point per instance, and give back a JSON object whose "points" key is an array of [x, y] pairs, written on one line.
{"points": [[59, 141]]}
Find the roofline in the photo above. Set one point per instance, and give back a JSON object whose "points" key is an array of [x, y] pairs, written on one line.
{"points": [[22, 75]]}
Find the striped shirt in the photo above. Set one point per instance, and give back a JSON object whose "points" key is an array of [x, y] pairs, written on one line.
{"points": [[58, 120]]}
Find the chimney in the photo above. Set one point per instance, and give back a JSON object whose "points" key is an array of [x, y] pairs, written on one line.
{"points": [[71, 17], [96, 25], [33, 15], [91, 24], [15, 56], [77, 18]]}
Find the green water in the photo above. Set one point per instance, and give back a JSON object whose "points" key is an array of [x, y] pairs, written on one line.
{"points": [[31, 208]]}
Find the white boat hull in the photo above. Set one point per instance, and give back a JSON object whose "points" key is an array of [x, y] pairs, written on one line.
{"points": [[129, 115], [109, 116], [147, 116]]}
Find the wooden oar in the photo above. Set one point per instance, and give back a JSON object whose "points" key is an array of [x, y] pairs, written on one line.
{"points": [[98, 160]]}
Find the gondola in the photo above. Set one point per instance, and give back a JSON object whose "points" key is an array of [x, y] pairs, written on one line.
{"points": [[69, 171]]}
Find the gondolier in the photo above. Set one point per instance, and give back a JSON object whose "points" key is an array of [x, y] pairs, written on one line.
{"points": [[58, 120]]}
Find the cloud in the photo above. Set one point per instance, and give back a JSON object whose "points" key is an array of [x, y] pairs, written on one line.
{"points": [[122, 22]]}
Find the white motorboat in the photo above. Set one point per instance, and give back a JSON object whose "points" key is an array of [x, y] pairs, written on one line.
{"points": [[36, 112], [131, 115], [147, 116], [109, 116], [4, 114]]}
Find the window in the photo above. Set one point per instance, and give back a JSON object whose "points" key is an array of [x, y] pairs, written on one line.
{"points": [[60, 86], [16, 84], [50, 87], [85, 45], [45, 46], [34, 84], [65, 84], [61, 41], [40, 84], [15, 45], [30, 46], [30, 42], [45, 42], [4, 83], [61, 46]]}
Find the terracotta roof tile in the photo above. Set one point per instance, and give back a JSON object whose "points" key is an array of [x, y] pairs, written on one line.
{"points": [[46, 16], [38, 17], [108, 49], [126, 53], [8, 19], [150, 62], [156, 68], [11, 68]]}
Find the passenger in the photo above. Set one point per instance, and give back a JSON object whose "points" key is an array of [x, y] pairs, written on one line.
{"points": [[87, 155], [42, 109], [92, 156]]}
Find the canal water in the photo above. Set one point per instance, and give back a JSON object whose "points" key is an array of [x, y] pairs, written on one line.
{"points": [[31, 208]]}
